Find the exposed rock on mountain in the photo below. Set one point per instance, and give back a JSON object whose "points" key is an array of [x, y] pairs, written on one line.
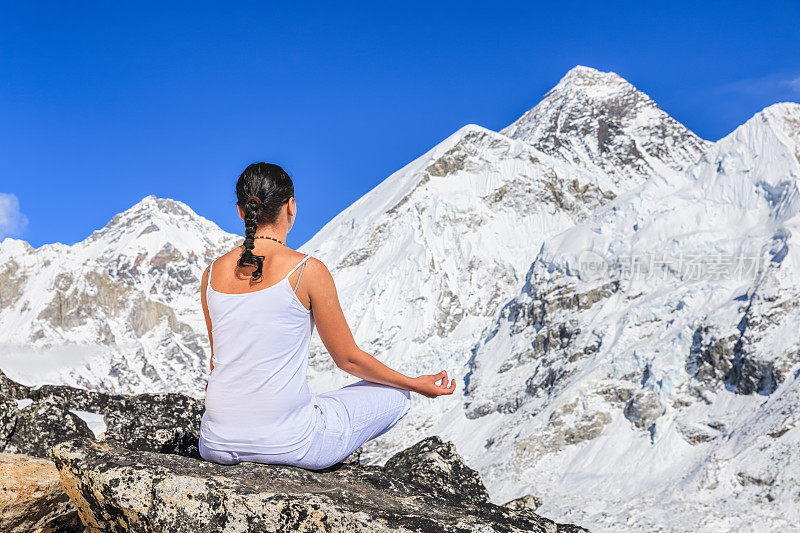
{"points": [[643, 409], [116, 489], [529, 501]]}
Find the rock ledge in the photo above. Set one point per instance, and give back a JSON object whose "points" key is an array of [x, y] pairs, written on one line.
{"points": [[116, 489]]}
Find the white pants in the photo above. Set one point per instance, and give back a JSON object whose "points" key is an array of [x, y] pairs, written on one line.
{"points": [[346, 419]]}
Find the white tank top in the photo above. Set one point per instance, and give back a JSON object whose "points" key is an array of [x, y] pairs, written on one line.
{"points": [[258, 399]]}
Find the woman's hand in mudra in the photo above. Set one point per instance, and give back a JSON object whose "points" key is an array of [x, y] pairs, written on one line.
{"points": [[427, 385]]}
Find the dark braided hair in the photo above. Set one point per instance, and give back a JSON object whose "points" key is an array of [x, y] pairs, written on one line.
{"points": [[261, 191]]}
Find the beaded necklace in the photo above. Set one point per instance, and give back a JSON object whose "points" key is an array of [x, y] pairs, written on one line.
{"points": [[273, 238]]}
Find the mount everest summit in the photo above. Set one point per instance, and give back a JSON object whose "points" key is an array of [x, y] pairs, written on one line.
{"points": [[616, 297]]}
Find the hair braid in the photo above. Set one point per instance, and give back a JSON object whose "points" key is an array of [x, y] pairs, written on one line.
{"points": [[248, 258]]}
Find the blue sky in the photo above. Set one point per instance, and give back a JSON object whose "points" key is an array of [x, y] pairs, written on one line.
{"points": [[102, 104]]}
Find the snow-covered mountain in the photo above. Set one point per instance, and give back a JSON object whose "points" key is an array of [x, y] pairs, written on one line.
{"points": [[504, 258], [118, 311], [646, 376]]}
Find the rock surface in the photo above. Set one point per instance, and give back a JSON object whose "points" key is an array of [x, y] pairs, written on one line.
{"points": [[31, 497], [164, 423], [41, 425], [116, 489], [643, 409], [437, 465], [8, 419], [529, 501]]}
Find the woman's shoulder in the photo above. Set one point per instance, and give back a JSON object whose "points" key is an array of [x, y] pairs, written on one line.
{"points": [[317, 270]]}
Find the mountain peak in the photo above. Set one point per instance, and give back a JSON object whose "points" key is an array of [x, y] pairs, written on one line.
{"points": [[779, 121], [153, 202], [9, 247], [785, 116], [602, 123], [151, 224], [592, 82], [150, 207], [763, 153]]}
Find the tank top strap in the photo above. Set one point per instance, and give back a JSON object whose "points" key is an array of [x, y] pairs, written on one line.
{"points": [[303, 260]]}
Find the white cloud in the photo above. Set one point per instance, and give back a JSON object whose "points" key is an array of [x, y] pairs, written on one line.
{"points": [[12, 221], [769, 84]]}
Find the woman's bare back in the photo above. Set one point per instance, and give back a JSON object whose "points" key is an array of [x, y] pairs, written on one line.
{"points": [[228, 277]]}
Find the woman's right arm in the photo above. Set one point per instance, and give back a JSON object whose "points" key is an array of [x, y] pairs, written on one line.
{"points": [[204, 302], [338, 340]]}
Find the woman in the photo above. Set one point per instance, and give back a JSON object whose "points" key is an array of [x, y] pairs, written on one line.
{"points": [[260, 310]]}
